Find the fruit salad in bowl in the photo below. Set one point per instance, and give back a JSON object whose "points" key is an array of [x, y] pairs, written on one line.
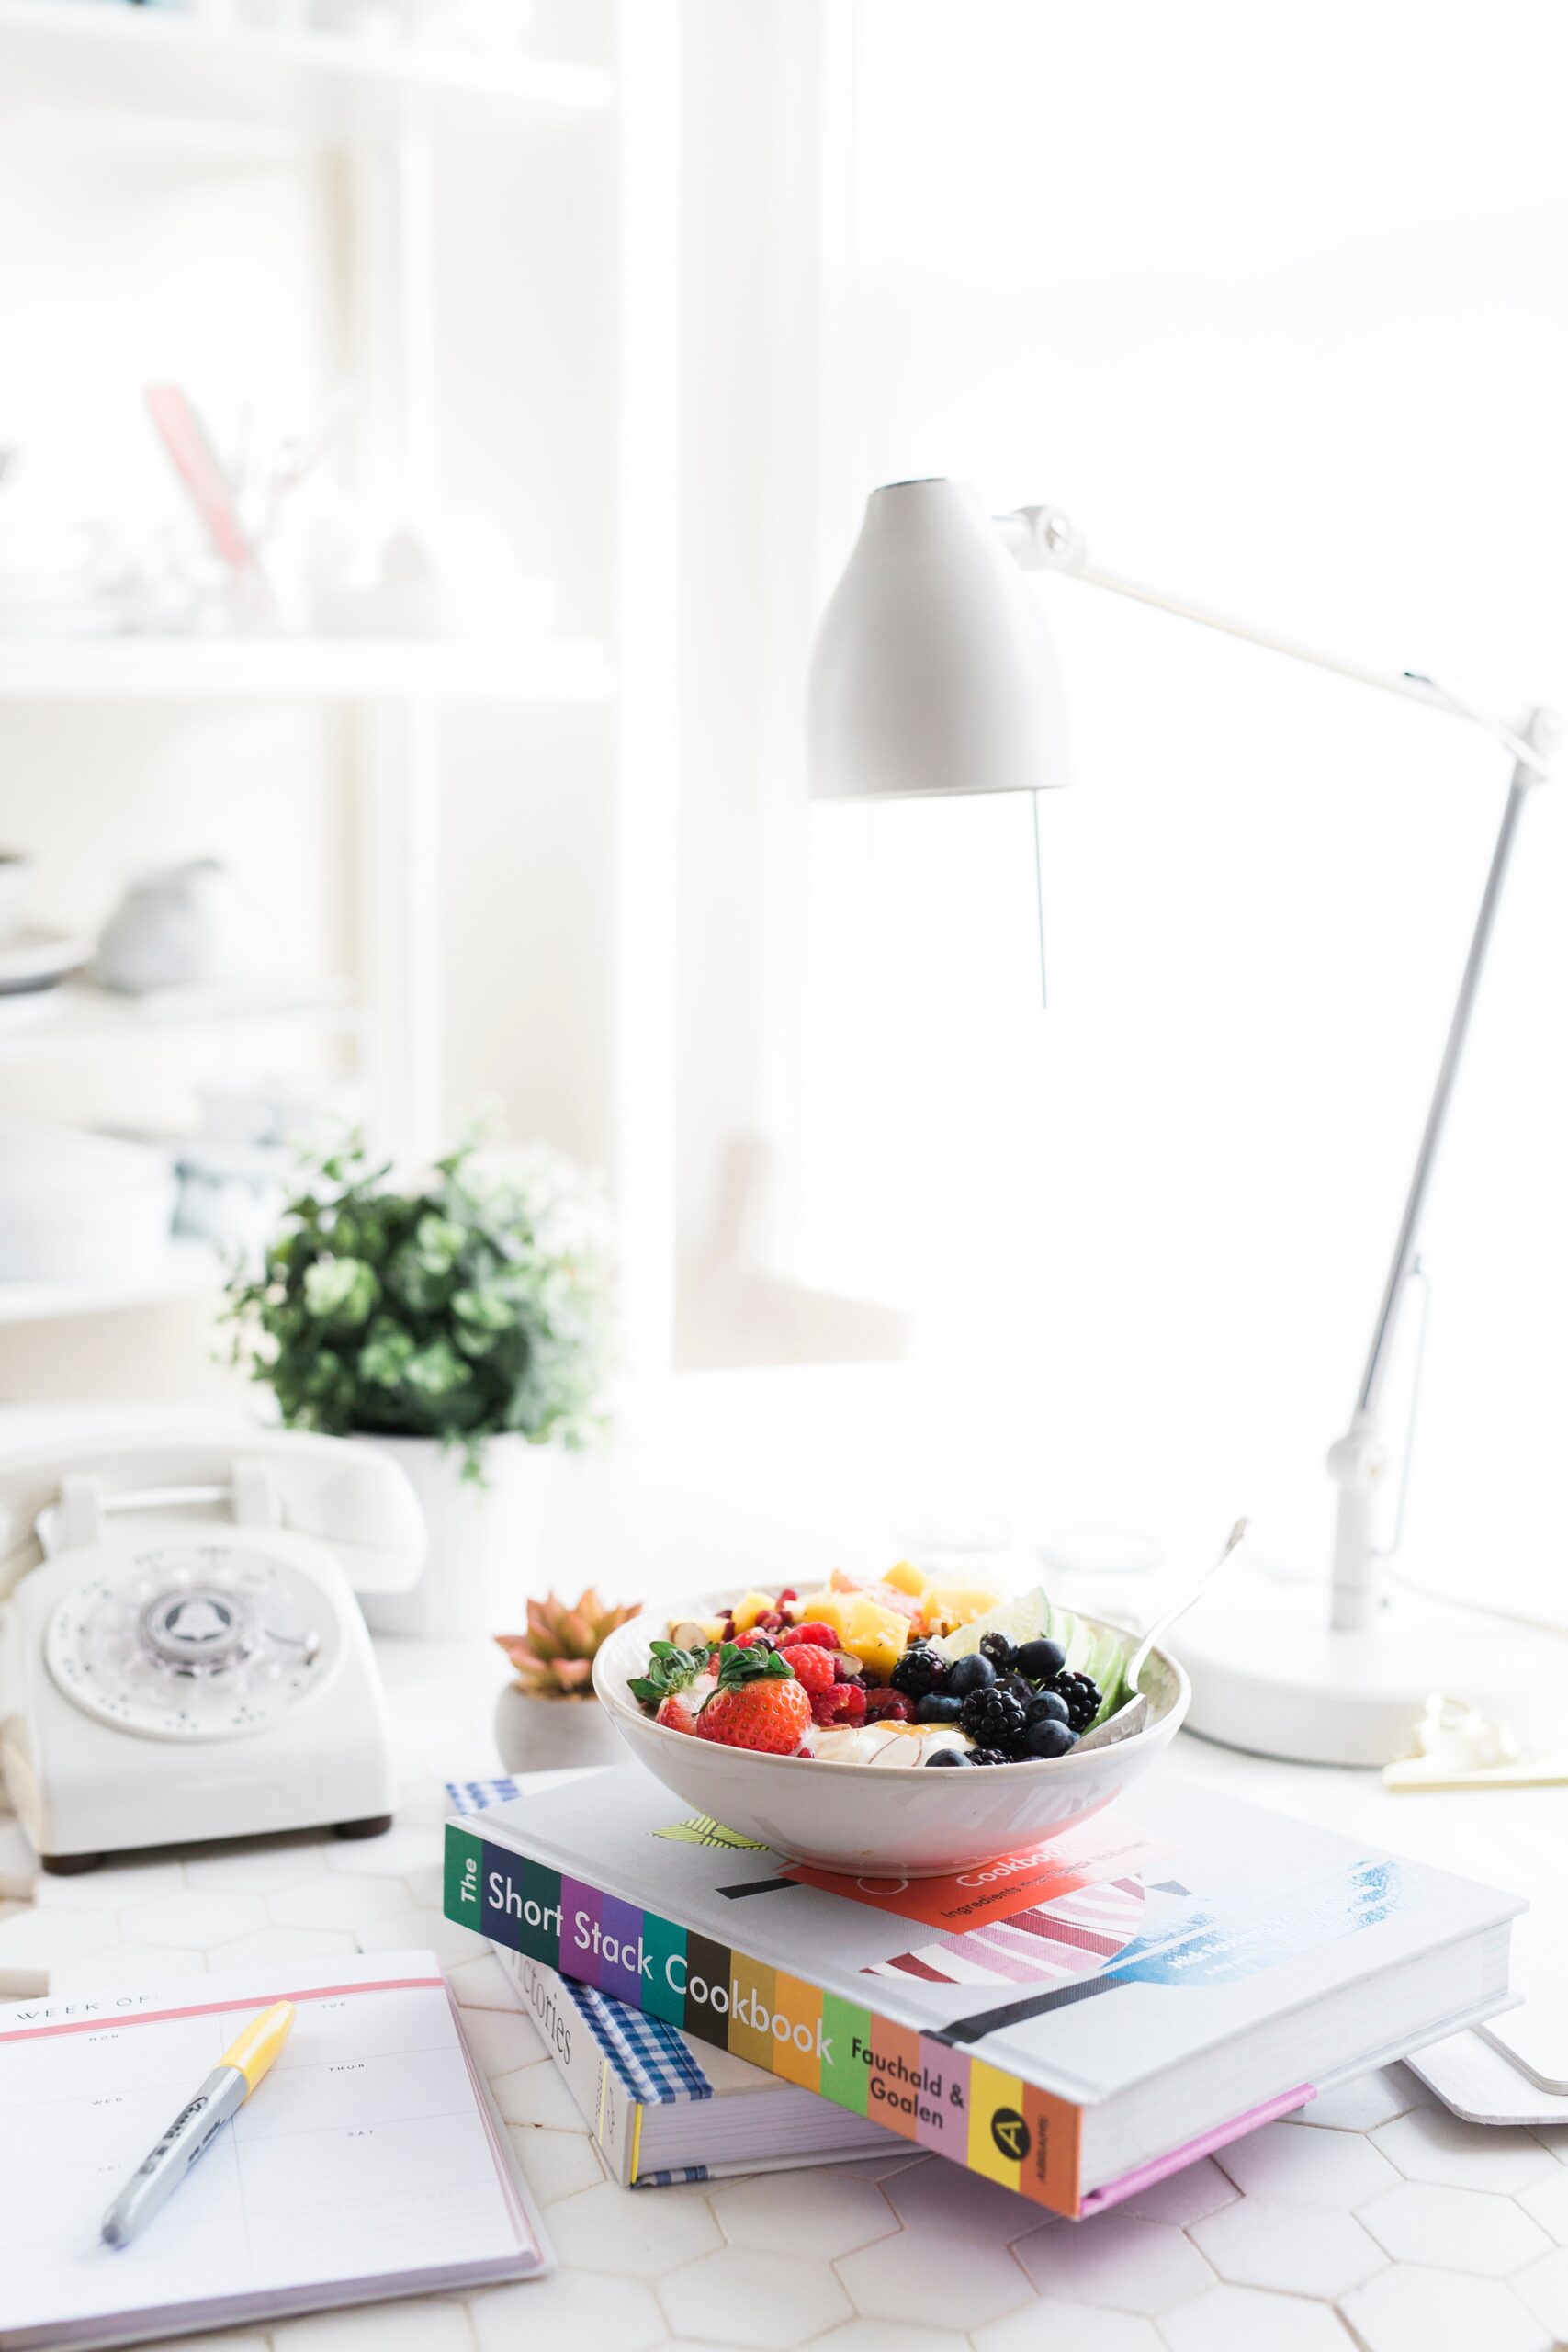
{"points": [[803, 1716]]}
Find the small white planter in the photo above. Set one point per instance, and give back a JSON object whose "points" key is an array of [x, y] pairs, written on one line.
{"points": [[547, 1734], [483, 1541]]}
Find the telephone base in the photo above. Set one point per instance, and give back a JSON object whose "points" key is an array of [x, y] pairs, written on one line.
{"points": [[374, 1824]]}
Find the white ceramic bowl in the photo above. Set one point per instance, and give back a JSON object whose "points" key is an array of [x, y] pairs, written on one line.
{"points": [[857, 1817]]}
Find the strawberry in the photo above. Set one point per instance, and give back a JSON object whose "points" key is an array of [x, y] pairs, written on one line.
{"points": [[768, 1716], [676, 1713], [810, 1666]]}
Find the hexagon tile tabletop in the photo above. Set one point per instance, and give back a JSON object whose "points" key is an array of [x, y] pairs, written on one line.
{"points": [[1375, 2223]]}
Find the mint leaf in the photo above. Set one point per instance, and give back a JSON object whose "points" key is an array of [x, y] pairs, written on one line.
{"points": [[669, 1669]]}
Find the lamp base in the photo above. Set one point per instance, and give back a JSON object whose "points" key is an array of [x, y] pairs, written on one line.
{"points": [[1270, 1675]]}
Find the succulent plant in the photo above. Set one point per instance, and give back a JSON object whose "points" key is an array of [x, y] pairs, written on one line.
{"points": [[554, 1659]]}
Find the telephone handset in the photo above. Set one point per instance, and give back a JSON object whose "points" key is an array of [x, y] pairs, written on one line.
{"points": [[181, 1655]]}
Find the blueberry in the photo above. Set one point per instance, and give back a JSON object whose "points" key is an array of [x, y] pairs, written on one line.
{"points": [[970, 1673], [1048, 1706], [1045, 1737], [947, 1756], [938, 1707], [1039, 1660], [998, 1649]]}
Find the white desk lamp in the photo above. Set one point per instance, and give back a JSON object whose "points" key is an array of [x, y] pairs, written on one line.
{"points": [[934, 674]]}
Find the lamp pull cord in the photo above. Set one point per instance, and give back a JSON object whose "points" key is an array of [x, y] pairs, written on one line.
{"points": [[1040, 901]]}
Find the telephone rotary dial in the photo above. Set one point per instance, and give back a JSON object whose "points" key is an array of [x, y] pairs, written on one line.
{"points": [[181, 1653]]}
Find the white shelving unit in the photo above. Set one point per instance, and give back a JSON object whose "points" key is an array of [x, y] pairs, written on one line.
{"points": [[78, 1020], [85, 52], [178, 669], [384, 108], [188, 1270]]}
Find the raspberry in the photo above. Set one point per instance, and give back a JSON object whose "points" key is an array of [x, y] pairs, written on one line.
{"points": [[768, 1716], [676, 1713], [888, 1707], [820, 1636], [844, 1703], [755, 1639], [812, 1666]]}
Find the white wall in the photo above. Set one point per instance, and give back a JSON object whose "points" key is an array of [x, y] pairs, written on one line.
{"points": [[1278, 299]]}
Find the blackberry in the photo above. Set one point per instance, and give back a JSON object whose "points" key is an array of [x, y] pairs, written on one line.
{"points": [[1040, 1659], [989, 1756], [920, 1669], [973, 1671], [1082, 1698], [992, 1717], [999, 1650]]}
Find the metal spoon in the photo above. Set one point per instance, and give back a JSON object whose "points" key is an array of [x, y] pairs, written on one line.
{"points": [[1133, 1713]]}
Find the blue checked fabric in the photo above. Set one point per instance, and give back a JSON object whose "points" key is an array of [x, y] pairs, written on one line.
{"points": [[650, 2056], [478, 1796]]}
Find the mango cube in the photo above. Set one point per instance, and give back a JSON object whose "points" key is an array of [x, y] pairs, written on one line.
{"points": [[906, 1577], [823, 1608], [875, 1636], [948, 1606], [748, 1607]]}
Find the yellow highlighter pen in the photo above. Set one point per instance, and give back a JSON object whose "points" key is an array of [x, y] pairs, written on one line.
{"points": [[203, 2115]]}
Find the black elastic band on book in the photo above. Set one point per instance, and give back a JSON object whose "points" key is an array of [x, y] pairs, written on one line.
{"points": [[756, 1886], [984, 2021]]}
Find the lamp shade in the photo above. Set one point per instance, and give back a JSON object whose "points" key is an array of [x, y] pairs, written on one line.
{"points": [[933, 670]]}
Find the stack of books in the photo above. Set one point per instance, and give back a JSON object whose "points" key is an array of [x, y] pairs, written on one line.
{"points": [[1075, 2022]]}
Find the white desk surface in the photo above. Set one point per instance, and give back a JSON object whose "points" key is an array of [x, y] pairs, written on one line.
{"points": [[1380, 2223]]}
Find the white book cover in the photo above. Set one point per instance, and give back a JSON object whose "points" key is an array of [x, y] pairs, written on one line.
{"points": [[999, 2017]]}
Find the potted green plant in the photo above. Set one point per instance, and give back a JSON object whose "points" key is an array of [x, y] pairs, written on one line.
{"points": [[547, 1714], [460, 1322]]}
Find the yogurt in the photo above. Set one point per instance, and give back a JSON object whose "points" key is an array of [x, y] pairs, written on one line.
{"points": [[884, 1743]]}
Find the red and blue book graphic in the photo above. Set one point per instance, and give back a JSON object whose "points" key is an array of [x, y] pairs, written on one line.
{"points": [[1052, 1943]]}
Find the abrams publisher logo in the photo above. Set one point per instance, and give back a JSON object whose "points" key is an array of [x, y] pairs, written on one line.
{"points": [[1010, 2134]]}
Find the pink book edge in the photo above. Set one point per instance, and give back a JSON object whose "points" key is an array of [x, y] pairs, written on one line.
{"points": [[1221, 2136]]}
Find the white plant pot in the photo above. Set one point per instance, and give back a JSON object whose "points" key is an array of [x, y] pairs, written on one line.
{"points": [[547, 1734], [484, 1540]]}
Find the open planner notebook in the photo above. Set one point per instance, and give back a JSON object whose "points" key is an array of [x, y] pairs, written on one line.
{"points": [[368, 2162]]}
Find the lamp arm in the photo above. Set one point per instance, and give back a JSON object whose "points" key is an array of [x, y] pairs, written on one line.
{"points": [[1358, 1461], [1044, 539]]}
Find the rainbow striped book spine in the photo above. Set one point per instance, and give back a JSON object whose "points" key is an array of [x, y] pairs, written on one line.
{"points": [[943, 2098]]}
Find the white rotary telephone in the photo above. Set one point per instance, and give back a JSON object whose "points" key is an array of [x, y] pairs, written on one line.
{"points": [[181, 1653]]}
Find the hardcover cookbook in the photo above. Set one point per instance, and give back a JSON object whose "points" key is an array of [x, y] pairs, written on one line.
{"points": [[1072, 2022]]}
